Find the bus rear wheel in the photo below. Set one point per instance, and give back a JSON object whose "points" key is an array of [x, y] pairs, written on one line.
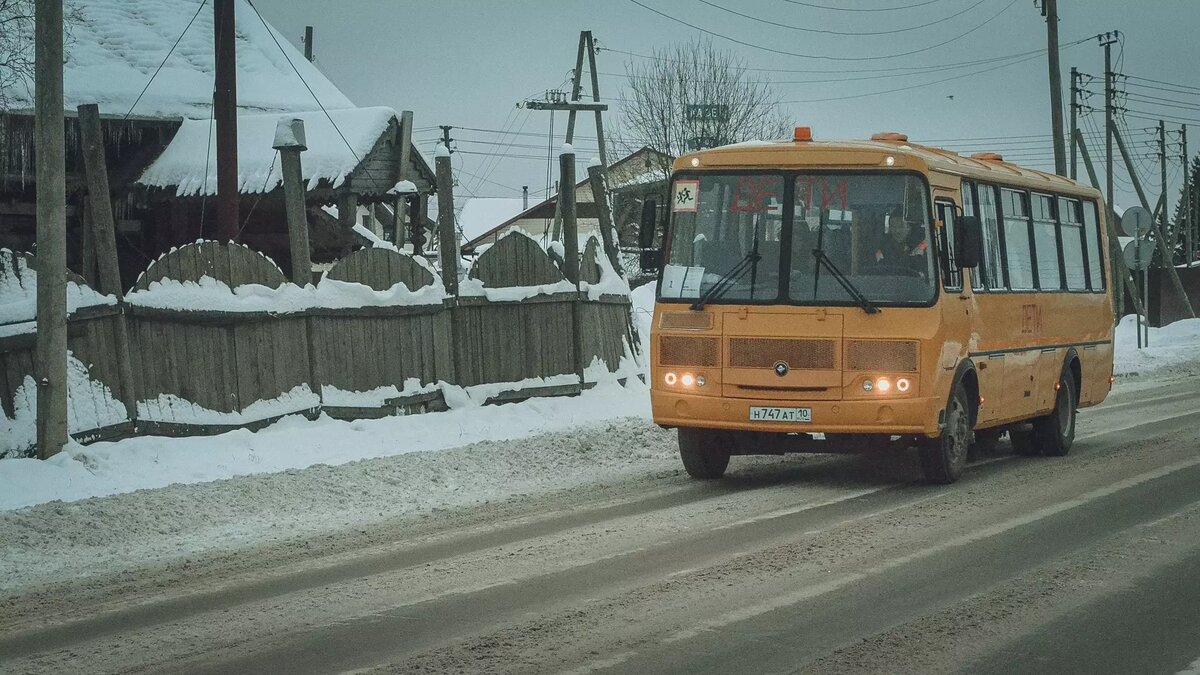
{"points": [[705, 452], [944, 458], [1055, 432]]}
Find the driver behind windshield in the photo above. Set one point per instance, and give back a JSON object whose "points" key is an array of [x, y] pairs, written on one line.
{"points": [[902, 247]]}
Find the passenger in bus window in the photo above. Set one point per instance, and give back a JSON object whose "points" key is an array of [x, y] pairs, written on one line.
{"points": [[897, 249]]}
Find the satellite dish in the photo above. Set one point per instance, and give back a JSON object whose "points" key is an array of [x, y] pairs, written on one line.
{"points": [[1138, 253], [1135, 221]]}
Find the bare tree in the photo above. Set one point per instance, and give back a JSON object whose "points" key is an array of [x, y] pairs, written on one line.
{"points": [[16, 46], [693, 95]]}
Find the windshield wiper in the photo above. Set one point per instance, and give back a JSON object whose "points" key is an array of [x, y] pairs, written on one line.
{"points": [[727, 280], [855, 294]]}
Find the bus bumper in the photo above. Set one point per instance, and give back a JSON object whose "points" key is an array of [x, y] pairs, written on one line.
{"points": [[916, 416]]}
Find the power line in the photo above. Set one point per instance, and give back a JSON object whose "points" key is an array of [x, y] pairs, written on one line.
{"points": [[1168, 84], [822, 56], [840, 70], [843, 33], [853, 9]]}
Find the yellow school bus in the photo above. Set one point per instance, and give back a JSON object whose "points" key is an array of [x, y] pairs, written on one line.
{"points": [[837, 295]]}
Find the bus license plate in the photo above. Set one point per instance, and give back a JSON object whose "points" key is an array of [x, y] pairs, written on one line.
{"points": [[765, 414]]}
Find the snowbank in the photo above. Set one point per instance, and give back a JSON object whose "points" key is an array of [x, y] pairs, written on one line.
{"points": [[1174, 350], [109, 468], [18, 295], [212, 295]]}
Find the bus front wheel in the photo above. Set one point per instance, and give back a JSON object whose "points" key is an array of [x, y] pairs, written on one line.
{"points": [[705, 452], [944, 458]]}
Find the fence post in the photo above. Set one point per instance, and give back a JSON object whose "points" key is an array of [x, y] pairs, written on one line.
{"points": [[570, 241], [104, 238], [447, 235], [600, 198], [290, 142]]}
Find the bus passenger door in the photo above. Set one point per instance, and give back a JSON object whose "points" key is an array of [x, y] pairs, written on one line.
{"points": [[960, 315]]}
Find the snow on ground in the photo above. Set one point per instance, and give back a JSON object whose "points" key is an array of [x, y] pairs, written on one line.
{"points": [[113, 506], [1173, 351]]}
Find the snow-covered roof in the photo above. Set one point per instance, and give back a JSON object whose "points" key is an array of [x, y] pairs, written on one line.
{"points": [[118, 44], [481, 214], [182, 164]]}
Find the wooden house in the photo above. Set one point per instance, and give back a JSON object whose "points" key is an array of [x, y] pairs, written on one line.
{"points": [[632, 180], [155, 99]]}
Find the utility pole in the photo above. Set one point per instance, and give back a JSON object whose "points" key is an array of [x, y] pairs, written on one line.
{"points": [[308, 42], [1050, 11], [225, 116], [1074, 121], [1107, 40], [1189, 251], [1162, 175], [573, 106], [50, 156], [446, 137]]}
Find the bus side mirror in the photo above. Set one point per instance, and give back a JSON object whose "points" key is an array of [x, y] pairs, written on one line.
{"points": [[651, 258], [970, 242]]}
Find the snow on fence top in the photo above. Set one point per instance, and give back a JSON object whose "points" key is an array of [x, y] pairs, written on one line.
{"points": [[117, 45], [18, 290], [182, 165]]}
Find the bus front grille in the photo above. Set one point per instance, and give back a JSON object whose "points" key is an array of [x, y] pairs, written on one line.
{"points": [[884, 356], [797, 354], [689, 351]]}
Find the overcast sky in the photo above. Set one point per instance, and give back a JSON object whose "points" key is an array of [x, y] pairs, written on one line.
{"points": [[468, 62]]}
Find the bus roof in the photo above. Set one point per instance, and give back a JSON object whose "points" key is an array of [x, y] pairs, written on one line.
{"points": [[861, 154]]}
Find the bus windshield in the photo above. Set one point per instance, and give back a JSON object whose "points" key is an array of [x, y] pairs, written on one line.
{"points": [[730, 230]]}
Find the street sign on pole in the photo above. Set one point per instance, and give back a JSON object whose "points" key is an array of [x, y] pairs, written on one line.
{"points": [[1138, 253], [1136, 221]]}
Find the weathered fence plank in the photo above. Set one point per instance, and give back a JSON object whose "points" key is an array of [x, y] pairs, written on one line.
{"points": [[515, 260]]}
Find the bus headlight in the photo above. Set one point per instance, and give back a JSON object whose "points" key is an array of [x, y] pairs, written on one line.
{"points": [[670, 379], [687, 379], [884, 385], [902, 385]]}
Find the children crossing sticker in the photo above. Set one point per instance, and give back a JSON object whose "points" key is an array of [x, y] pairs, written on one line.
{"points": [[686, 194]]}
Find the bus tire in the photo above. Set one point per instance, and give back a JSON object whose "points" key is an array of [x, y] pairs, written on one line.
{"points": [[1055, 432], [1024, 442], [944, 458], [705, 452]]}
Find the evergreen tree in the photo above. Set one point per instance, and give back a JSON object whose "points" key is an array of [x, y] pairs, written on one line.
{"points": [[1188, 222]]}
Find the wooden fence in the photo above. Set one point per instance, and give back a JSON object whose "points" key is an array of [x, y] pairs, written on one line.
{"points": [[96, 407], [220, 339]]}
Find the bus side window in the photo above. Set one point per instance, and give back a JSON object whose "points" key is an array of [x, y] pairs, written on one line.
{"points": [[951, 275], [1091, 232], [989, 216], [1070, 223]]}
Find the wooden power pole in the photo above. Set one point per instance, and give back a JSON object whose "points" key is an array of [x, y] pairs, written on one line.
{"points": [[225, 116], [573, 106], [1050, 11], [1074, 122], [50, 156]]}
